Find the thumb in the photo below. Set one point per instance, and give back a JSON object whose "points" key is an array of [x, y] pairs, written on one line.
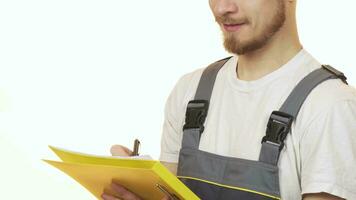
{"points": [[119, 150]]}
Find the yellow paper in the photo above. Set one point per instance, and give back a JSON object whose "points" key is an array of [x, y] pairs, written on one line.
{"points": [[96, 173]]}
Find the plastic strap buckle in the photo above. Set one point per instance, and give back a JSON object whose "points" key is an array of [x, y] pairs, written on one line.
{"points": [[278, 127], [195, 115], [336, 72]]}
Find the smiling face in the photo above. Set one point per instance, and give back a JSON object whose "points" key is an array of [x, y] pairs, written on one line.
{"points": [[247, 25]]}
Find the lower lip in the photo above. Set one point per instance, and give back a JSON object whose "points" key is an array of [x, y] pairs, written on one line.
{"points": [[232, 28]]}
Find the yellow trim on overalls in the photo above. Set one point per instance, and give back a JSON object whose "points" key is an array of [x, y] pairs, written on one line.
{"points": [[231, 187]]}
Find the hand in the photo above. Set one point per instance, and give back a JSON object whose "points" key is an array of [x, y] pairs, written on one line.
{"points": [[121, 192], [119, 150]]}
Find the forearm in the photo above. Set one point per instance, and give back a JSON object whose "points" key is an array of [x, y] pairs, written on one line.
{"points": [[320, 196]]}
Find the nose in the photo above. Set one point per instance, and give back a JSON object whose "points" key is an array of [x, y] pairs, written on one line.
{"points": [[223, 7]]}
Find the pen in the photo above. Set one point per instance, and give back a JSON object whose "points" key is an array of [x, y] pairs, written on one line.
{"points": [[135, 148]]}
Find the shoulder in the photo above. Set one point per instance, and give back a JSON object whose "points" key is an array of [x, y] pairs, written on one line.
{"points": [[184, 91], [181, 94], [328, 94], [185, 87], [328, 140], [323, 100], [191, 79], [328, 99], [187, 84]]}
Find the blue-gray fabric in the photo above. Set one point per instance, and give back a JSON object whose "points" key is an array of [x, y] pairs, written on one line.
{"points": [[296, 99], [260, 176], [241, 173], [209, 191], [191, 138], [269, 153], [207, 80]]}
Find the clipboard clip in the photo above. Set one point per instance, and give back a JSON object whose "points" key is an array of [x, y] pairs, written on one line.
{"points": [[166, 192]]}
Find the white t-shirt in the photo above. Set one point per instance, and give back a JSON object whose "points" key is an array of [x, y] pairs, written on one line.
{"points": [[319, 153]]}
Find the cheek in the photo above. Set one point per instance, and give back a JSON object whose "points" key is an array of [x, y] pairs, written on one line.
{"points": [[212, 5], [260, 21], [260, 13]]}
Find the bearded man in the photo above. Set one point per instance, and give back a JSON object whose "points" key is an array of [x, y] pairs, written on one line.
{"points": [[227, 153]]}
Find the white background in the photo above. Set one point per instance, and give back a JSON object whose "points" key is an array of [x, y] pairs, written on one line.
{"points": [[85, 74]]}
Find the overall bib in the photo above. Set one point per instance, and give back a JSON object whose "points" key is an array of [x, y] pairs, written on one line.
{"points": [[211, 176]]}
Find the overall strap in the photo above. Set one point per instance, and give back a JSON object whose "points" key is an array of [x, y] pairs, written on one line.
{"points": [[280, 122], [197, 109]]}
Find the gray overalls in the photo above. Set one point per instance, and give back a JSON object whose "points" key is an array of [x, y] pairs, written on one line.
{"points": [[212, 176]]}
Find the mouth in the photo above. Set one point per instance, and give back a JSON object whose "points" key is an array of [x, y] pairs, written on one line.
{"points": [[232, 27]]}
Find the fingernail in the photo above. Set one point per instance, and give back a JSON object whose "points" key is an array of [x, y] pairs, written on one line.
{"points": [[108, 197], [104, 196], [118, 188]]}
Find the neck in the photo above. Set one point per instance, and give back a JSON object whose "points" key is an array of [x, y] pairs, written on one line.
{"points": [[278, 51]]}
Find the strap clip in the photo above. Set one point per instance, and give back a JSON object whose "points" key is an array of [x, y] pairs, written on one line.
{"points": [[278, 127], [336, 72], [195, 115]]}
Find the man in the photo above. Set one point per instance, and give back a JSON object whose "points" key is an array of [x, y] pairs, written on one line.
{"points": [[319, 155]]}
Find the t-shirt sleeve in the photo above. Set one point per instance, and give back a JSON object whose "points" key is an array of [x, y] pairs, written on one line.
{"points": [[171, 133], [328, 152], [174, 115]]}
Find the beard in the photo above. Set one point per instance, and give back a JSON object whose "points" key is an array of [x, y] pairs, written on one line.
{"points": [[235, 46]]}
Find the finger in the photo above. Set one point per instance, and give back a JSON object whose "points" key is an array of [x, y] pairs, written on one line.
{"points": [[123, 192], [166, 198], [109, 197], [119, 150]]}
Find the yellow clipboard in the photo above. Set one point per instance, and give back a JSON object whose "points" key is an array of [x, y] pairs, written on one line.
{"points": [[147, 178]]}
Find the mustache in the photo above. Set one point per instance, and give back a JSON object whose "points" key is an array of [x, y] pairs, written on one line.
{"points": [[228, 20]]}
